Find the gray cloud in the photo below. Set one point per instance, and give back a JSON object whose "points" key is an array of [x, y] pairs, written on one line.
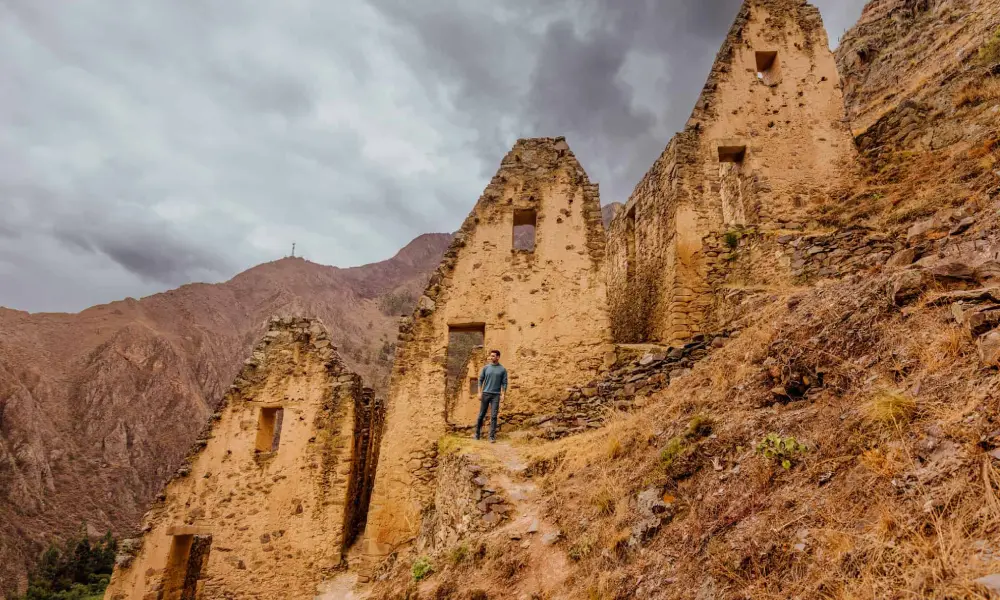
{"points": [[149, 144]]}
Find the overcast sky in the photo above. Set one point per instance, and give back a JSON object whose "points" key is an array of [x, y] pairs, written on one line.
{"points": [[148, 144]]}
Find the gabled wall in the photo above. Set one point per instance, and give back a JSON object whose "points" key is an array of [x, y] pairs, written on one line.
{"points": [[239, 521], [757, 151], [544, 310]]}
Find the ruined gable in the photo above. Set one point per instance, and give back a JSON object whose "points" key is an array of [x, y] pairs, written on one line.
{"points": [[276, 488], [543, 305], [764, 141]]}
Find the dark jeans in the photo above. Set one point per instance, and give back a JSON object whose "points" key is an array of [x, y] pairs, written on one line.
{"points": [[488, 400]]}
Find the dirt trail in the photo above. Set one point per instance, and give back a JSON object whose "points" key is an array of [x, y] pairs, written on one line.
{"points": [[546, 567], [341, 587]]}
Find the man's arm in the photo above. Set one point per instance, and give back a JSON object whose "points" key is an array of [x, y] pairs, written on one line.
{"points": [[503, 384], [482, 376]]}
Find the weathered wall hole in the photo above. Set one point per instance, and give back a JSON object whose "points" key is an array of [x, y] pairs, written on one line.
{"points": [[732, 154], [525, 224], [269, 429]]}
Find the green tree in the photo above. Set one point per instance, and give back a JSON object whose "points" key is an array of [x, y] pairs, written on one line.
{"points": [[77, 569]]}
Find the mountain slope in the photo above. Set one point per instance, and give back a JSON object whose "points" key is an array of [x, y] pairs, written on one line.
{"points": [[97, 408]]}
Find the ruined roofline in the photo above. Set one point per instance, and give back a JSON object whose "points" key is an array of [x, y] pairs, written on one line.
{"points": [[806, 16], [492, 193], [311, 330], [564, 156]]}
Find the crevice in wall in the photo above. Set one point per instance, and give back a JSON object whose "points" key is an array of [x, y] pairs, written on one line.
{"points": [[369, 416]]}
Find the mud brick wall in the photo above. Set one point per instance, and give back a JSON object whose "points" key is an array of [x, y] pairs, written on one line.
{"points": [[238, 521], [545, 310]]}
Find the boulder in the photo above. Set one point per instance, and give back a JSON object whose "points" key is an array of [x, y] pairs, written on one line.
{"points": [[907, 286], [903, 258], [988, 272], [983, 320], [989, 349], [939, 226], [955, 270]]}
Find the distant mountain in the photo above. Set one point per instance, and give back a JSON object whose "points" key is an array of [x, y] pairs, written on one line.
{"points": [[98, 408], [610, 211]]}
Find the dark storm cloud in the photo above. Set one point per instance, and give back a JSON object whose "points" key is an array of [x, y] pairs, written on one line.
{"points": [[145, 251], [149, 144]]}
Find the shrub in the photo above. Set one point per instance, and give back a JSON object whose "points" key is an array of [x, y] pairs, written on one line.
{"points": [[700, 426], [783, 450], [581, 549], [990, 52], [460, 554], [731, 239], [422, 568], [674, 449]]}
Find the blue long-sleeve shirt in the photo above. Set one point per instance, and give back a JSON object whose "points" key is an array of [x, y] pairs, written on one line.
{"points": [[493, 379]]}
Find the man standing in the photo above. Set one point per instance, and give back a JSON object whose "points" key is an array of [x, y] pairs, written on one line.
{"points": [[492, 387]]}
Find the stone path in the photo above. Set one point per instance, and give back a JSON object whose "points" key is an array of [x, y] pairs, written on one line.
{"points": [[546, 566]]}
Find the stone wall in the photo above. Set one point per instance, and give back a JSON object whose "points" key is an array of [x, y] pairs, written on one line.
{"points": [[544, 310], [242, 520], [765, 141]]}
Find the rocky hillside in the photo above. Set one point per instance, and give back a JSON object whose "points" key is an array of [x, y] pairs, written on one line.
{"points": [[97, 408], [842, 442]]}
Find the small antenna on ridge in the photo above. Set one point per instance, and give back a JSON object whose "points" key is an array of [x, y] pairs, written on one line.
{"points": [[293, 249]]}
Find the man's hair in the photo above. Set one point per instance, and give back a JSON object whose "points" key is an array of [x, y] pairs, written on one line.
{"points": [[497, 352]]}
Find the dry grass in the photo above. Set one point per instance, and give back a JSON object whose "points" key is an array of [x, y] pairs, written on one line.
{"points": [[891, 408], [977, 92]]}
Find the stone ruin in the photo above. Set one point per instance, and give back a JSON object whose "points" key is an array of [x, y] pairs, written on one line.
{"points": [[533, 274], [276, 488], [524, 275], [765, 140]]}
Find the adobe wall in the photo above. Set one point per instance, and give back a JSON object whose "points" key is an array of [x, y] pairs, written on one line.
{"points": [[240, 522], [544, 310], [757, 151]]}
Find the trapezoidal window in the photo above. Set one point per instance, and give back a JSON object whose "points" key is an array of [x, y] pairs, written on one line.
{"points": [[732, 154], [768, 67], [525, 222], [269, 429], [185, 564]]}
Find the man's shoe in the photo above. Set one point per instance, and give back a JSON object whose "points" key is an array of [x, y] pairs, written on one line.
{"points": [[493, 440]]}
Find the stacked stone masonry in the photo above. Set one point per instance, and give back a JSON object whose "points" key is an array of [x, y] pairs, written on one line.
{"points": [[639, 373], [274, 490]]}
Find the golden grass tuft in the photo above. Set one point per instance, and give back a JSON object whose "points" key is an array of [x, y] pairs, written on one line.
{"points": [[891, 408], [615, 448]]}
